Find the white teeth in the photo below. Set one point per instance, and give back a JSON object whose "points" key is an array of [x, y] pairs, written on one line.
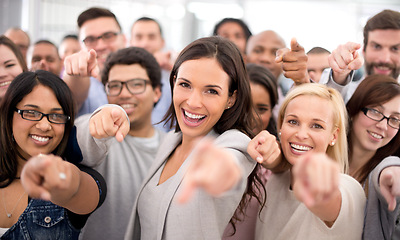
{"points": [[376, 135], [127, 105], [5, 83], [194, 116], [300, 148], [40, 139]]}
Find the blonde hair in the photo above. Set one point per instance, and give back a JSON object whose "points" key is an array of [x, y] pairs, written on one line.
{"points": [[338, 152]]}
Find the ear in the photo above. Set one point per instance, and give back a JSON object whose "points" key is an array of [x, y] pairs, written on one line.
{"points": [[231, 100], [157, 94], [334, 137]]}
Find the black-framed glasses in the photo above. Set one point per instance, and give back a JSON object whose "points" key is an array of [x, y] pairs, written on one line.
{"points": [[33, 115], [134, 86], [378, 116], [107, 37]]}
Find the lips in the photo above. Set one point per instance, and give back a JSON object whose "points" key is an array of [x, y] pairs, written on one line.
{"points": [[375, 135], [300, 148], [40, 139], [128, 107], [193, 119], [5, 84]]}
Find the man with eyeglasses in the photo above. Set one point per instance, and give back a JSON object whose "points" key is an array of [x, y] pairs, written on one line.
{"points": [[132, 80], [100, 34]]}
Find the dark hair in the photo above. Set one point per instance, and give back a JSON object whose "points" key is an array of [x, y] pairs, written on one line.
{"points": [[22, 85], [94, 13], [262, 76], [240, 22], [70, 36], [8, 43], [318, 50], [240, 115], [148, 19], [372, 91], [133, 55], [387, 19]]}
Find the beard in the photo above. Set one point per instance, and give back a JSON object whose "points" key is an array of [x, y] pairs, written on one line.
{"points": [[394, 70]]}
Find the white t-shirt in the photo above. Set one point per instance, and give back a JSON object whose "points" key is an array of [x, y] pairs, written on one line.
{"points": [[284, 217]]}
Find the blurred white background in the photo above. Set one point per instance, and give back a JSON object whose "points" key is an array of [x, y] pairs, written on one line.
{"points": [[324, 23]]}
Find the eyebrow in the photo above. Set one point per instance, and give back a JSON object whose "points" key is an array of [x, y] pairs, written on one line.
{"points": [[209, 86], [8, 61], [314, 119], [37, 107]]}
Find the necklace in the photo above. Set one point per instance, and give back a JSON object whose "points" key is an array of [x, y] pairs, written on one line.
{"points": [[9, 215]]}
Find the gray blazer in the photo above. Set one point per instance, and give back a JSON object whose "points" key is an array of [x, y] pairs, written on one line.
{"points": [[204, 217]]}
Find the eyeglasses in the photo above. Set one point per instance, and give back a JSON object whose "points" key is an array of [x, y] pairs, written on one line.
{"points": [[378, 116], [134, 86], [107, 37], [33, 115]]}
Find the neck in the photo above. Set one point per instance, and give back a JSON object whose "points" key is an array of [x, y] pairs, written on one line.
{"points": [[141, 130], [359, 157]]}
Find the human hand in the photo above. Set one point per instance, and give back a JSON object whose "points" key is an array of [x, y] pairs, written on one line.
{"points": [[344, 59], [50, 178], [389, 182], [108, 122], [265, 149], [164, 60], [213, 169], [316, 179], [294, 62], [82, 64]]}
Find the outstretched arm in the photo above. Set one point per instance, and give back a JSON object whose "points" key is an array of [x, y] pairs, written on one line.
{"points": [[50, 178], [343, 60], [79, 67], [316, 184], [294, 62]]}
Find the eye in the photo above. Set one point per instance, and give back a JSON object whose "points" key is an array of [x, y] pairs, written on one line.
{"points": [[292, 122], [212, 91], [377, 46], [395, 49], [10, 65], [184, 84], [318, 126], [262, 110]]}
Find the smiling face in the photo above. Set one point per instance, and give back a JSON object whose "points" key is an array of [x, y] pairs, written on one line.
{"points": [[382, 53], [200, 96], [307, 126], [235, 33], [137, 106], [34, 137], [261, 103], [369, 135], [97, 27], [9, 68]]}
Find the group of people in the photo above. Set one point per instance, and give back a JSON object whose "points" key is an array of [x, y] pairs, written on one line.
{"points": [[233, 139]]}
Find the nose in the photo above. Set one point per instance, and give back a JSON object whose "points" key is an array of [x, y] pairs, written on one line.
{"points": [[383, 124], [385, 55], [194, 100], [44, 125], [43, 65], [302, 132], [125, 92], [100, 45]]}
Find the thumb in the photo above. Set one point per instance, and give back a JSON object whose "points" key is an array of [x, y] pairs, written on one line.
{"points": [[122, 123], [295, 46]]}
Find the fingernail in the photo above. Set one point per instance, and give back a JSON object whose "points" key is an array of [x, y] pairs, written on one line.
{"points": [[259, 159]]}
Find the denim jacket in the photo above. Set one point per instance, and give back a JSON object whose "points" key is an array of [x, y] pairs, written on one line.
{"points": [[42, 220]]}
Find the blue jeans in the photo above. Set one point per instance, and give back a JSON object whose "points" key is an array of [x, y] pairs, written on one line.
{"points": [[42, 220]]}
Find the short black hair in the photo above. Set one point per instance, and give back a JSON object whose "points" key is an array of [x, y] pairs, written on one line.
{"points": [[242, 24], [93, 13]]}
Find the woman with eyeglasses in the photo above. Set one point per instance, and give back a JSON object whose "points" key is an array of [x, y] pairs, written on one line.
{"points": [[373, 136], [42, 196]]}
